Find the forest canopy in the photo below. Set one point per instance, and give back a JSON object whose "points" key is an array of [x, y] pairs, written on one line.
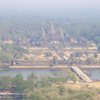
{"points": [[8, 52], [80, 23]]}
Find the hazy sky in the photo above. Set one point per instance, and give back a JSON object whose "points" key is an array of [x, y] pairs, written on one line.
{"points": [[49, 3]]}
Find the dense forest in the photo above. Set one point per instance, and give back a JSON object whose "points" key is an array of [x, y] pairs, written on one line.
{"points": [[10, 52], [77, 23]]}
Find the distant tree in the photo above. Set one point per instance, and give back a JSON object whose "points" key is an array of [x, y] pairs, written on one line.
{"points": [[73, 77], [19, 76], [62, 54], [97, 39], [62, 90], [26, 58], [44, 77], [82, 47], [69, 61], [87, 46], [90, 61], [72, 91], [72, 56], [6, 77], [87, 53], [78, 54], [48, 54], [51, 65], [6, 66], [76, 61], [20, 84], [95, 55], [55, 60], [28, 46], [37, 97], [98, 47], [67, 44], [32, 78]]}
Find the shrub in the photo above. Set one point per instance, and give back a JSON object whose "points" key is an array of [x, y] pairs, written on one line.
{"points": [[51, 65], [26, 58], [6, 66], [18, 57]]}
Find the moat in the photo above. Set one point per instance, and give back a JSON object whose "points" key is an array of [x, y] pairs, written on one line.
{"points": [[95, 73]]}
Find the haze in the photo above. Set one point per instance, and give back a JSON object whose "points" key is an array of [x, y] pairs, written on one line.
{"points": [[55, 4]]}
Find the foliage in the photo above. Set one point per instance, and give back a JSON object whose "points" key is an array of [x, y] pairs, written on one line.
{"points": [[32, 78], [8, 52], [6, 66], [5, 59], [47, 87], [55, 80], [95, 55], [4, 81], [51, 65], [20, 84], [19, 76], [68, 75], [26, 58], [62, 90], [97, 39]]}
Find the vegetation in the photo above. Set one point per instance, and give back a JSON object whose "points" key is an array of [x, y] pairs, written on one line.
{"points": [[55, 30], [46, 87], [26, 58], [6, 66], [50, 31], [51, 65], [83, 24], [9, 52]]}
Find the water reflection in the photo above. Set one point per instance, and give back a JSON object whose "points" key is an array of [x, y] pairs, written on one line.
{"points": [[95, 73], [26, 72]]}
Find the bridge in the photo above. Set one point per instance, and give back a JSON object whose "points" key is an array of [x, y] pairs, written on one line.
{"points": [[81, 74]]}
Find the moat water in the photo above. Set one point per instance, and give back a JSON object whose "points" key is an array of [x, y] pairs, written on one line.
{"points": [[95, 73], [25, 73]]}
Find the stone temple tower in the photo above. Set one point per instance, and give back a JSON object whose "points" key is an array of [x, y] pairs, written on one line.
{"points": [[52, 31], [43, 33], [62, 35]]}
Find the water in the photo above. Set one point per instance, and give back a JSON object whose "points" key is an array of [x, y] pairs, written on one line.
{"points": [[26, 72], [95, 73]]}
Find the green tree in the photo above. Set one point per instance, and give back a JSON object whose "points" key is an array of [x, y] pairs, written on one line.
{"points": [[97, 39], [32, 78], [62, 90], [26, 58], [44, 77], [19, 85], [6, 66], [73, 77], [96, 55], [20, 76], [51, 65]]}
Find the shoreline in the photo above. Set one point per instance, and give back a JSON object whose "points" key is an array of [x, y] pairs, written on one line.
{"points": [[47, 67]]}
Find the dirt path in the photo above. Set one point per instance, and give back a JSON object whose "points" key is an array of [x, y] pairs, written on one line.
{"points": [[93, 84]]}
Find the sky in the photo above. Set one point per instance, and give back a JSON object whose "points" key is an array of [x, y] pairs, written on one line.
{"points": [[32, 4]]}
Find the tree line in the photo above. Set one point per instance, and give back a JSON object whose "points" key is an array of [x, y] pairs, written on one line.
{"points": [[26, 25], [46, 87]]}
